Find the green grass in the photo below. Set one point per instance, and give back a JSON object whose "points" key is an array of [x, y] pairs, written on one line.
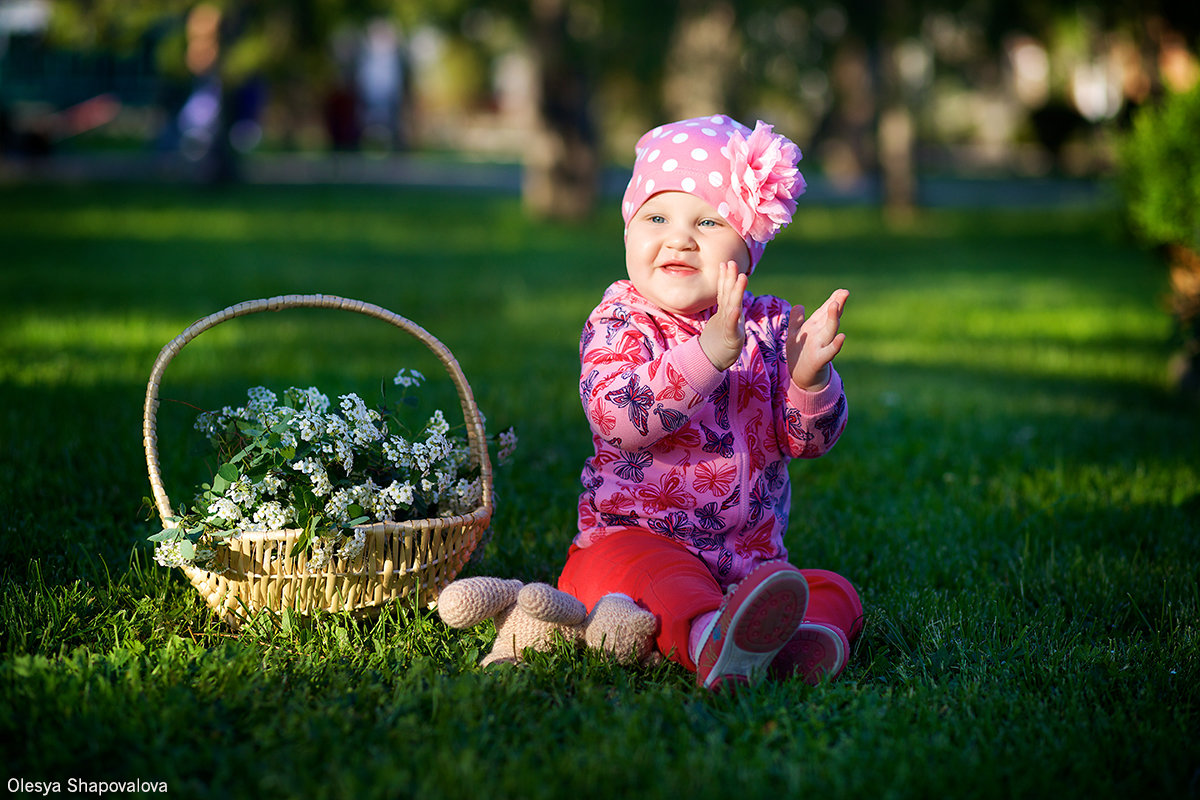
{"points": [[1016, 496]]}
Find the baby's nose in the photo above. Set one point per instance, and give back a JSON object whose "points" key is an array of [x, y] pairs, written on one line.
{"points": [[681, 239]]}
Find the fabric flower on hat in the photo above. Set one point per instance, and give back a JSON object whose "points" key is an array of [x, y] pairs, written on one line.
{"points": [[764, 182]]}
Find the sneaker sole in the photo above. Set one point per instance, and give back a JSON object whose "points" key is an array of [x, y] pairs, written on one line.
{"points": [[824, 654], [772, 605]]}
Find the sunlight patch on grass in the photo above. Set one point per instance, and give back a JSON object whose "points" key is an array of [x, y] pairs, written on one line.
{"points": [[91, 348], [115, 331], [1034, 332], [1041, 359], [236, 225], [82, 349]]}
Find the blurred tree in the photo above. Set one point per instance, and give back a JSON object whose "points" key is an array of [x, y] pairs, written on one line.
{"points": [[847, 76], [226, 49], [1161, 182]]}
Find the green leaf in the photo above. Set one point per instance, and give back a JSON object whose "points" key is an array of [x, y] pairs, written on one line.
{"points": [[242, 454], [305, 538], [226, 475], [257, 471]]}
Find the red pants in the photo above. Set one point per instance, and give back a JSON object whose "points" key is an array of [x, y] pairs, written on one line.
{"points": [[665, 578]]}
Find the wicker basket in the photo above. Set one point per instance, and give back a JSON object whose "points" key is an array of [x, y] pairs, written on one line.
{"points": [[255, 571]]}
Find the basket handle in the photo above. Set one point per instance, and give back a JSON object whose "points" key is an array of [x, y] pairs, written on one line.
{"points": [[476, 437]]}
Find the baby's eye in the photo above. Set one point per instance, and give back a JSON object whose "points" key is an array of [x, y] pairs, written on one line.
{"points": [[657, 218], [711, 223]]}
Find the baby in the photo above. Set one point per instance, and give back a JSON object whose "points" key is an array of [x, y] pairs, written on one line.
{"points": [[698, 393]]}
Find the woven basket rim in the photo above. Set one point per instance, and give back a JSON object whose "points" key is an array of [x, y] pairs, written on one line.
{"points": [[481, 512], [472, 417]]}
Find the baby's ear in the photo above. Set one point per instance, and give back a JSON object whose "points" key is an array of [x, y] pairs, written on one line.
{"points": [[470, 601]]}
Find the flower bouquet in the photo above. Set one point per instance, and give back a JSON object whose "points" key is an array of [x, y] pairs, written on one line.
{"points": [[297, 462], [321, 507]]}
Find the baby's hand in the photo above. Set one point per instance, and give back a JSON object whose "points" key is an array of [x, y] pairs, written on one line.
{"points": [[724, 334], [813, 342]]}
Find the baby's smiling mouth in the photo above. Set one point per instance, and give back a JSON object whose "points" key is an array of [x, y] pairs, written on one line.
{"points": [[677, 268]]}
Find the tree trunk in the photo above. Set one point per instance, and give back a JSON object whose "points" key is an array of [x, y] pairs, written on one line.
{"points": [[896, 162], [702, 62], [561, 159], [896, 135], [1185, 305]]}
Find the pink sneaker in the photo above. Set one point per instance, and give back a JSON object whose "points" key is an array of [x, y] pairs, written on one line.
{"points": [[816, 651], [756, 619]]}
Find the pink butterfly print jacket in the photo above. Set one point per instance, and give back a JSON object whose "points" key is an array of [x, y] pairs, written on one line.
{"points": [[686, 451]]}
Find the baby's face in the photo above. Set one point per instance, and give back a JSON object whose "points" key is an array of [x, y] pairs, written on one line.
{"points": [[673, 247]]}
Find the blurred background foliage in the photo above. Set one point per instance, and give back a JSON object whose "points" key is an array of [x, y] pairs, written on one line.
{"points": [[877, 92], [882, 95]]}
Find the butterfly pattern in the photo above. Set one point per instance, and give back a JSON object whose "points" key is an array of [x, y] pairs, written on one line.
{"points": [[631, 466], [684, 451], [721, 444], [635, 399]]}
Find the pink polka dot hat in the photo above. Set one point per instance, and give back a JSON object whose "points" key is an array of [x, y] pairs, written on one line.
{"points": [[749, 177]]}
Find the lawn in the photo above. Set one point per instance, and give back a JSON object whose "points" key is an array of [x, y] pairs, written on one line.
{"points": [[1016, 496]]}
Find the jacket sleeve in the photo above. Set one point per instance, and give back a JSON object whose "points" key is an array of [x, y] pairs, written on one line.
{"points": [[813, 421], [808, 423], [635, 391]]}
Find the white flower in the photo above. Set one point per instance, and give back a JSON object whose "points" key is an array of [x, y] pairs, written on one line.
{"points": [[353, 547], [466, 495], [412, 378], [309, 401], [273, 482], [397, 451], [336, 427], [403, 493], [338, 506], [209, 424], [322, 553], [356, 411], [420, 456], [316, 473], [445, 479], [507, 444], [288, 439], [308, 425], [261, 399], [364, 435], [242, 492], [385, 502], [437, 424], [168, 554], [437, 448], [272, 515], [344, 451], [226, 509]]}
